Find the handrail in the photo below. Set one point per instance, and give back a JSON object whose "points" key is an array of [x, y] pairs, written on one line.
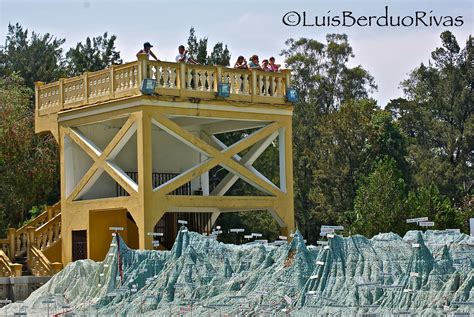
{"points": [[40, 265], [173, 79], [7, 268], [48, 233]]}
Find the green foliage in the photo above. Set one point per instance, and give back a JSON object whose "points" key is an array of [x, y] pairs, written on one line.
{"points": [[220, 55], [428, 201], [34, 58], [379, 201], [257, 221], [95, 54], [28, 162], [197, 48], [437, 116]]}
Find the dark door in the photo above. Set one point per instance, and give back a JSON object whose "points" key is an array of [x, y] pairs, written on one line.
{"points": [[79, 245]]}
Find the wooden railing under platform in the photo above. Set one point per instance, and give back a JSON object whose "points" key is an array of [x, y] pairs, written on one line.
{"points": [[173, 79]]}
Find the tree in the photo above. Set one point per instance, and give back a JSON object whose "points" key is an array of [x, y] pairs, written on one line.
{"points": [[28, 162], [197, 49], [427, 201], [437, 116], [34, 58], [379, 201], [220, 55], [94, 55], [325, 167]]}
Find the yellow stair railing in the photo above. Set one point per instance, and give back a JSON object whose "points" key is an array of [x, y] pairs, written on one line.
{"points": [[30, 242]]}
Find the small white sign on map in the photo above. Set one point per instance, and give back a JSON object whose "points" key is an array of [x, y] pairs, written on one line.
{"points": [[218, 227], [330, 235], [321, 242], [155, 234], [454, 230], [413, 220], [415, 245], [282, 237], [426, 223], [115, 228], [327, 230], [320, 263], [288, 299], [183, 222], [248, 236], [471, 224], [332, 227], [156, 243], [237, 230], [256, 235]]}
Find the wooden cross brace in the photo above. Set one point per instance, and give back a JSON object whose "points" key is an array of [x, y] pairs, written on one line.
{"points": [[216, 156], [103, 161]]}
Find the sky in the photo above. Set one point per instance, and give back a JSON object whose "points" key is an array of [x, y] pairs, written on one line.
{"points": [[251, 27]]}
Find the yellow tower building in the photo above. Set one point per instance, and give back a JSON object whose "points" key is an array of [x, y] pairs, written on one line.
{"points": [[141, 161]]}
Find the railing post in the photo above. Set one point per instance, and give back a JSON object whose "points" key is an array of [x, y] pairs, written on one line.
{"points": [[49, 211], [31, 240], [112, 81], [218, 77], [287, 73], [85, 81], [254, 82], [142, 67], [38, 84], [11, 243], [17, 268], [182, 76], [61, 93]]}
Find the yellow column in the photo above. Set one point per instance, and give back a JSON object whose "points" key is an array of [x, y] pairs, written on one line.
{"points": [[143, 215], [12, 243]]}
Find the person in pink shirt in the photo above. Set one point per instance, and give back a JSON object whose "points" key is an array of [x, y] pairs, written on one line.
{"points": [[272, 66]]}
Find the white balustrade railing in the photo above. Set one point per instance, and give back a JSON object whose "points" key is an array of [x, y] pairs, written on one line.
{"points": [[174, 79]]}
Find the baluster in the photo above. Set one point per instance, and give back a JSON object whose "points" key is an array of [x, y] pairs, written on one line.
{"points": [[50, 236], [24, 242], [196, 79], [260, 84], [209, 80], [272, 86], [189, 77], [121, 81], [279, 82], [267, 85], [159, 76], [135, 73], [57, 229], [18, 243], [172, 78], [166, 76], [130, 76], [203, 80], [246, 84], [239, 84], [232, 83]]}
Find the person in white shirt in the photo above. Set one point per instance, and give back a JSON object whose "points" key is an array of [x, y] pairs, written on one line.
{"points": [[183, 56]]}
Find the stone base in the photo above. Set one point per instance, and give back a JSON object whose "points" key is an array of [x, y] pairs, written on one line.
{"points": [[19, 288]]}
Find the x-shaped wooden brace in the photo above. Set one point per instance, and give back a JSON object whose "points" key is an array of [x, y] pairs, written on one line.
{"points": [[215, 156], [103, 161]]}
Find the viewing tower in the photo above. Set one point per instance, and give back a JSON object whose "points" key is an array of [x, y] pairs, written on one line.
{"points": [[140, 161]]}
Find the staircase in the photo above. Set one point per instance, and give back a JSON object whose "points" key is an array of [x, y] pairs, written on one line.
{"points": [[29, 249]]}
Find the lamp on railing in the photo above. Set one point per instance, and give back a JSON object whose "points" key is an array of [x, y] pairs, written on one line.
{"points": [[223, 90], [291, 95], [148, 86]]}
